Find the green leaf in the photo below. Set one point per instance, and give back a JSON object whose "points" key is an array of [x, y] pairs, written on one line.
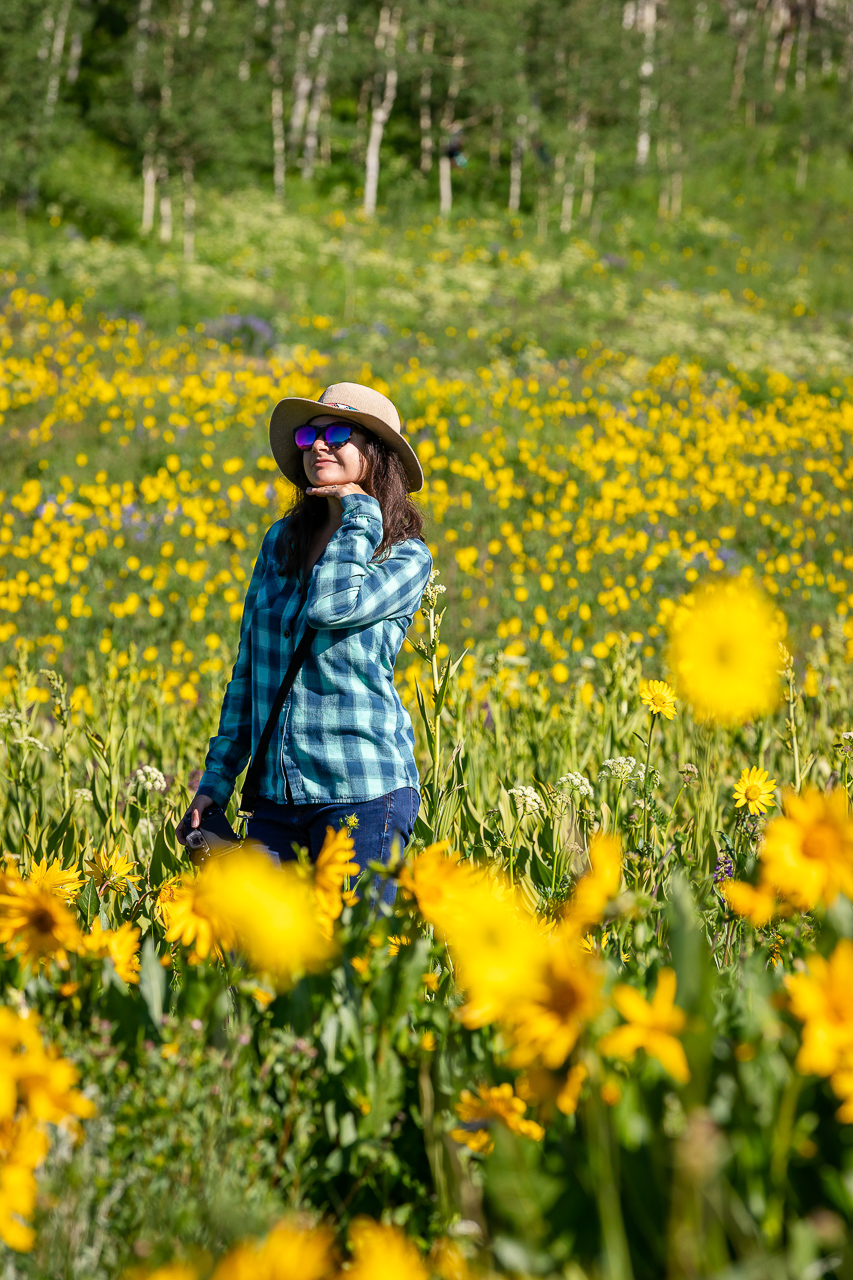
{"points": [[88, 901], [152, 981]]}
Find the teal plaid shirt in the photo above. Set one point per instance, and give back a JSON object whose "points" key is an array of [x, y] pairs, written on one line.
{"points": [[343, 734]]}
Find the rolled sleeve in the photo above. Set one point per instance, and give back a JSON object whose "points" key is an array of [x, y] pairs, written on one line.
{"points": [[228, 752], [347, 589]]}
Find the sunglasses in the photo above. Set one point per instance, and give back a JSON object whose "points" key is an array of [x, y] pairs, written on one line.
{"points": [[335, 434]]}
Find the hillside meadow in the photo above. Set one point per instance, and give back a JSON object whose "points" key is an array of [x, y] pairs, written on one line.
{"points": [[605, 1031]]}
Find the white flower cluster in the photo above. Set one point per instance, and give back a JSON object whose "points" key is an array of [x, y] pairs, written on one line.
{"points": [[149, 778], [622, 767], [578, 783], [84, 794], [527, 800], [432, 591], [10, 716], [29, 741]]}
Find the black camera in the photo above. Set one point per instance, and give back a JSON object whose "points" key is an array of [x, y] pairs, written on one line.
{"points": [[212, 838]]}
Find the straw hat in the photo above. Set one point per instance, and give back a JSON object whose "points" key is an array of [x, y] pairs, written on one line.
{"points": [[351, 402]]}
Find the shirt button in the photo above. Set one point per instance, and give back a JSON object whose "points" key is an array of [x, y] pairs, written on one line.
{"points": [[287, 633]]}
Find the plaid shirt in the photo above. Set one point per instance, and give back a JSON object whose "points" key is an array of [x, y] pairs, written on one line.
{"points": [[343, 734]]}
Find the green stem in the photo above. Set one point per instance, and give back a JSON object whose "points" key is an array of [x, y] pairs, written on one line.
{"points": [[646, 779], [671, 816], [617, 1258]]}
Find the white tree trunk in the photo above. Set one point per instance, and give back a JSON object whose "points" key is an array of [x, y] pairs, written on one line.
{"points": [[516, 158], [495, 138], [647, 15], [588, 182], [312, 123], [189, 211], [426, 103], [277, 101], [56, 50], [378, 121], [567, 208], [149, 193], [301, 90], [445, 184], [385, 41], [165, 205]]}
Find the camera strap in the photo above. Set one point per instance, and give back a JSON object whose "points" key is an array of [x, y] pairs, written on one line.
{"points": [[249, 796]]}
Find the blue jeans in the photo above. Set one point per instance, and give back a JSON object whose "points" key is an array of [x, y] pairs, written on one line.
{"points": [[278, 826]]}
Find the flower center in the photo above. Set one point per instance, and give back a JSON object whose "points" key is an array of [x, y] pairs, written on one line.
{"points": [[753, 791]]}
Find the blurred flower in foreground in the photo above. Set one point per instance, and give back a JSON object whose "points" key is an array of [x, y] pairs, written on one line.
{"points": [[382, 1253], [34, 923], [305, 1253], [270, 911], [36, 1088], [658, 697], [754, 788], [333, 866], [806, 858], [724, 652], [822, 999], [478, 1111], [650, 1025]]}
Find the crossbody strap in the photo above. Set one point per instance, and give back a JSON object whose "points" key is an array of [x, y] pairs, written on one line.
{"points": [[253, 775]]}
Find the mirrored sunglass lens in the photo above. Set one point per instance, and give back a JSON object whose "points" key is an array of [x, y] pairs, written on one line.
{"points": [[305, 437], [338, 433]]}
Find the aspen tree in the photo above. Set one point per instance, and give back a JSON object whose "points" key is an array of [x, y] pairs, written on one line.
{"points": [[384, 93]]}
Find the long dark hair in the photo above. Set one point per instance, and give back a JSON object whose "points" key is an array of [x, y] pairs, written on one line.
{"points": [[384, 478]]}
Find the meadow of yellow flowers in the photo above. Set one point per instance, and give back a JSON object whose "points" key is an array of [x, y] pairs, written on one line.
{"points": [[606, 1031]]}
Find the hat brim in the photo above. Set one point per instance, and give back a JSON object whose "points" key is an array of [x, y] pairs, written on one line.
{"points": [[295, 412]]}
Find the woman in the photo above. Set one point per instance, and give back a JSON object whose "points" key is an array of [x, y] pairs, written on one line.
{"points": [[348, 559]]}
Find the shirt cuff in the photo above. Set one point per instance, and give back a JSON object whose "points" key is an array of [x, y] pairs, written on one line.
{"points": [[361, 505], [217, 787]]}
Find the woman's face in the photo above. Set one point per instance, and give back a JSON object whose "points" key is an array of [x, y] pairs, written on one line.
{"points": [[335, 464]]}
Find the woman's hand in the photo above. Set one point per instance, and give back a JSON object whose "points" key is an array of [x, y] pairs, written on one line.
{"points": [[337, 490], [192, 817]]}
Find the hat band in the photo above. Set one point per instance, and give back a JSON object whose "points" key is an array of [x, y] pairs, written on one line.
{"points": [[332, 404]]}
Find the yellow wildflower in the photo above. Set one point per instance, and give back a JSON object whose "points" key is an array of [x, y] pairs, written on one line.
{"points": [[23, 1147], [569, 1095], [112, 870], [754, 788], [52, 877], [382, 1252], [490, 1104], [121, 945], [193, 918], [807, 855], [270, 911], [724, 652], [35, 924], [650, 1025], [334, 864], [658, 697]]}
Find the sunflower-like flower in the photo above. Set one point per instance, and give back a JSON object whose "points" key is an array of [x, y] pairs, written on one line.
{"points": [[479, 1112], [55, 879], [334, 863], [724, 652], [380, 1250], [658, 697], [808, 854], [289, 1250], [545, 1021], [35, 924], [120, 945], [112, 870], [23, 1147], [651, 1025], [193, 917], [754, 788]]}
